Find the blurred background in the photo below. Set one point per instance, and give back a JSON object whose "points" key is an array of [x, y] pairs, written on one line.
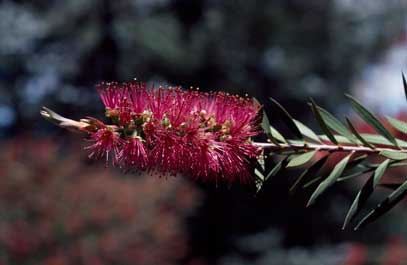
{"points": [[58, 208]]}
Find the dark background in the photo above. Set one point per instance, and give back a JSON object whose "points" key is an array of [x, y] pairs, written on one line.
{"points": [[53, 53]]}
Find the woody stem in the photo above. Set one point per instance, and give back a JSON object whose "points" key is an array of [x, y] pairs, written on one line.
{"points": [[326, 147]]}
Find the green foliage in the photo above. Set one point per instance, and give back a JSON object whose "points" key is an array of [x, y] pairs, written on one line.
{"points": [[336, 125], [322, 123], [313, 152], [365, 192], [401, 126], [330, 180], [371, 119], [360, 138], [386, 205], [299, 160], [287, 119], [307, 132]]}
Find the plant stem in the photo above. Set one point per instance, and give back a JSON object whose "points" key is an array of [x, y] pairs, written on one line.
{"points": [[326, 147]]}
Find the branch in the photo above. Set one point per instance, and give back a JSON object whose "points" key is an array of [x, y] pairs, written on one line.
{"points": [[337, 138], [326, 147], [65, 123], [308, 150]]}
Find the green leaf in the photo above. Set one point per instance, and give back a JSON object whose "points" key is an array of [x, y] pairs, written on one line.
{"points": [[310, 172], [356, 161], [259, 174], [307, 132], [371, 119], [399, 164], [365, 192], [312, 182], [371, 138], [394, 155], [378, 139], [339, 139], [297, 142], [331, 179], [265, 124], [322, 123], [281, 164], [385, 206], [336, 125], [354, 168], [379, 172], [302, 159], [360, 138], [399, 125], [353, 175], [392, 164], [277, 135], [359, 201], [287, 119], [259, 184]]}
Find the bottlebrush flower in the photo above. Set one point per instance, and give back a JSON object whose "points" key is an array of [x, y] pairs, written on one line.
{"points": [[106, 140], [133, 154], [202, 135]]}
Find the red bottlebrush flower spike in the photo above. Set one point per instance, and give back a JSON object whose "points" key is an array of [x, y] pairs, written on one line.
{"points": [[202, 135]]}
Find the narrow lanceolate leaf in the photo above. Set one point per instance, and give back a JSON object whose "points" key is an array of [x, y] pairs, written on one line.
{"points": [[353, 175], [359, 201], [399, 164], [331, 179], [299, 160], [399, 125], [259, 174], [378, 139], [287, 119], [281, 164], [312, 182], [394, 155], [309, 173], [258, 171], [360, 138], [322, 123], [307, 132], [277, 135], [371, 138], [365, 192], [379, 172], [265, 124], [385, 206], [339, 138], [354, 168], [277, 167], [336, 125], [404, 85], [367, 116], [356, 161], [259, 184]]}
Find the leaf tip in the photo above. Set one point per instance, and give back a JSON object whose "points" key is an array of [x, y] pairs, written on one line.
{"points": [[310, 202]]}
